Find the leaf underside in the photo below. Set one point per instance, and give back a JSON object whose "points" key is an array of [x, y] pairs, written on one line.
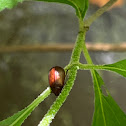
{"points": [[107, 112], [118, 67], [9, 121], [8, 4], [80, 6]]}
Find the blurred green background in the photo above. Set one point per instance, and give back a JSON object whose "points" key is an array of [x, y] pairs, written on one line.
{"points": [[23, 76]]}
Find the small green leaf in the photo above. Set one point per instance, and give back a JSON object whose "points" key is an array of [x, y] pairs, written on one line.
{"points": [[9, 121], [107, 112], [81, 6], [118, 67], [18, 118], [8, 4]]}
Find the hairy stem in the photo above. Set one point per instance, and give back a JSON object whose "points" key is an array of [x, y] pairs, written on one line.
{"points": [[87, 23], [85, 66], [98, 13], [78, 45], [69, 84]]}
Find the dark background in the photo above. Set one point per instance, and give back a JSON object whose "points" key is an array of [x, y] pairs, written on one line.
{"points": [[23, 76]]}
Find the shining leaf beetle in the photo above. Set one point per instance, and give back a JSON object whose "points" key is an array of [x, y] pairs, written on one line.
{"points": [[56, 79]]}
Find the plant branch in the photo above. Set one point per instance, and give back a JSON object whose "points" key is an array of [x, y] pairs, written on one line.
{"points": [[89, 21], [18, 118], [60, 100], [69, 84], [79, 45], [81, 66], [98, 13], [94, 74]]}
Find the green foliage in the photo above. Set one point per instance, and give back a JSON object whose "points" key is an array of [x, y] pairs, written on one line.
{"points": [[81, 6], [8, 4], [69, 84], [118, 67], [107, 112], [18, 118]]}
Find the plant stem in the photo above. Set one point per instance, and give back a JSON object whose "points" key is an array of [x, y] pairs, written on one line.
{"points": [[69, 84], [85, 66], [60, 100], [78, 45], [86, 53], [89, 21], [32, 106], [98, 13]]}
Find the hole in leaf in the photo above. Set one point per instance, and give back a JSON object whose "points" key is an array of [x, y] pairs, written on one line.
{"points": [[104, 90]]}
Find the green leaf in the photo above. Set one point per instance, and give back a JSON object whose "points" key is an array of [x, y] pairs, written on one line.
{"points": [[18, 118], [8, 4], [81, 6], [118, 67], [107, 112]]}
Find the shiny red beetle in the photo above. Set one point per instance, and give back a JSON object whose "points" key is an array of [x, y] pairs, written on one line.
{"points": [[56, 79]]}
